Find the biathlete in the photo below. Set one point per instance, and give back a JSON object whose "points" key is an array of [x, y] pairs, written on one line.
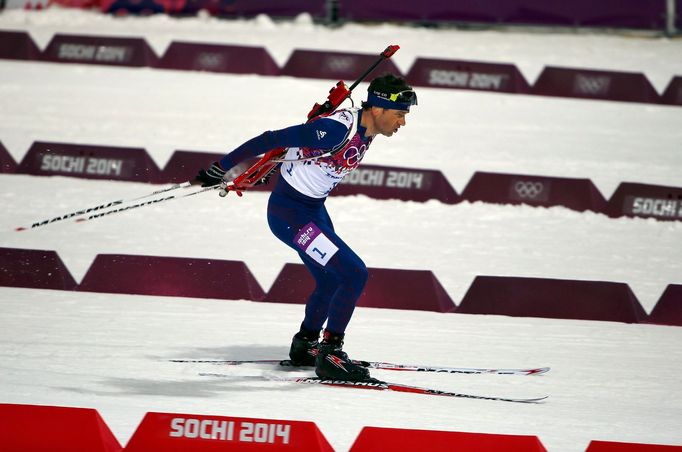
{"points": [[298, 217]]}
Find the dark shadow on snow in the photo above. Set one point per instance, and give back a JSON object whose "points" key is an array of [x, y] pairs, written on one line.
{"points": [[196, 388], [231, 352]]}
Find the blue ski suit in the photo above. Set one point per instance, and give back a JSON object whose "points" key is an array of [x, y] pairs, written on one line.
{"points": [[297, 214]]}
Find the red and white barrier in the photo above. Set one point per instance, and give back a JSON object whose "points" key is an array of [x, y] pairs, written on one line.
{"points": [[174, 432], [375, 438], [35, 428]]}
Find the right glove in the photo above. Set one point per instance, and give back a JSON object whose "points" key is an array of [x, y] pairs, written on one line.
{"points": [[210, 177]]}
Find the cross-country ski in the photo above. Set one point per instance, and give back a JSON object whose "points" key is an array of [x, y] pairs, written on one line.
{"points": [[378, 385], [380, 365]]}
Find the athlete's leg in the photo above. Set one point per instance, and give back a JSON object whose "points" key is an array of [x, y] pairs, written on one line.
{"points": [[317, 305], [350, 274], [339, 273]]}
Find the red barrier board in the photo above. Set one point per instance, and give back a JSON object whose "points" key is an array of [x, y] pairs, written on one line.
{"points": [[171, 276], [407, 184], [386, 288], [18, 45], [112, 51], [467, 75], [673, 92], [36, 269], [552, 298], [33, 428], [594, 84], [7, 163], [218, 58], [173, 432], [89, 162], [668, 309], [333, 65], [609, 446], [576, 194], [646, 201], [374, 438]]}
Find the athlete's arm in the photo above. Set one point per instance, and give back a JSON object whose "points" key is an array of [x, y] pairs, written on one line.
{"points": [[323, 133]]}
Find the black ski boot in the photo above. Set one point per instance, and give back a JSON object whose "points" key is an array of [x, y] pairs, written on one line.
{"points": [[304, 348], [332, 362]]}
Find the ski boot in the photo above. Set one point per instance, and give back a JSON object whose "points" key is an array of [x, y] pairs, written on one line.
{"points": [[304, 348], [333, 363]]}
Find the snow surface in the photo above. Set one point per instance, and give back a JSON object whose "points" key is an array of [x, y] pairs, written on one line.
{"points": [[609, 381]]}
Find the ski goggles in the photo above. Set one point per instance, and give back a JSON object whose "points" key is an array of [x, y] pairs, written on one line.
{"points": [[402, 100]]}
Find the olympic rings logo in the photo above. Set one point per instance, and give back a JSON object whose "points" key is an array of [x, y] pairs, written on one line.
{"points": [[591, 85], [353, 155], [340, 63], [528, 189], [210, 60]]}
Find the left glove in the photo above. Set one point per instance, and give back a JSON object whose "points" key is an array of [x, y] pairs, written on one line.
{"points": [[210, 177]]}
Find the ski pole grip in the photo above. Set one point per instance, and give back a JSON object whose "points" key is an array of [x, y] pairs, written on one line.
{"points": [[390, 50]]}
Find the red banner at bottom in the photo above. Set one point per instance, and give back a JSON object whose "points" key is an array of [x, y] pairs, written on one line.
{"points": [[375, 438], [172, 432], [610, 446], [34, 428]]}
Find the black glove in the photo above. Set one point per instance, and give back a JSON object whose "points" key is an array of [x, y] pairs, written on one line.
{"points": [[210, 177]]}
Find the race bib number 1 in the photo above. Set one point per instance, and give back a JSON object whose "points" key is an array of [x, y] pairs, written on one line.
{"points": [[315, 244]]}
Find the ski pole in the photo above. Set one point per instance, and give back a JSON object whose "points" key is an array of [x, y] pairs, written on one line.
{"points": [[99, 207], [153, 202]]}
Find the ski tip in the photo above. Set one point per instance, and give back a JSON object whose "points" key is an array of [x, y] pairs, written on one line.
{"points": [[533, 400], [516, 400], [535, 371], [20, 228]]}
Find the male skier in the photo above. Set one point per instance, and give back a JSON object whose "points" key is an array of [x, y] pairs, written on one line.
{"points": [[298, 217]]}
